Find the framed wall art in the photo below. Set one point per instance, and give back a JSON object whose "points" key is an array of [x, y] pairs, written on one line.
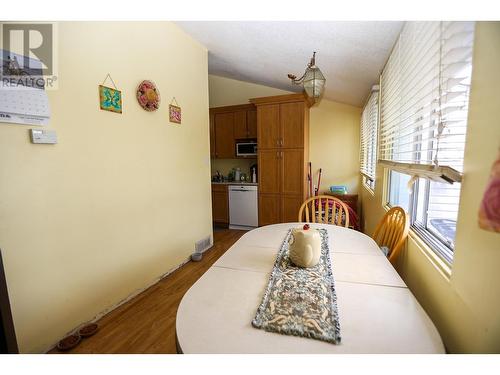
{"points": [[110, 99], [174, 112]]}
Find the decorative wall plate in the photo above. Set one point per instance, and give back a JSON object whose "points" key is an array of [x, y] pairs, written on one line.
{"points": [[148, 96]]}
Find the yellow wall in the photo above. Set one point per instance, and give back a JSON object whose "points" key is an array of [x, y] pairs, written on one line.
{"points": [[334, 144], [466, 305], [334, 130], [106, 211], [224, 91]]}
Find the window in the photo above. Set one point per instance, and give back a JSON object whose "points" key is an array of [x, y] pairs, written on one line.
{"points": [[399, 194], [424, 105], [368, 147]]}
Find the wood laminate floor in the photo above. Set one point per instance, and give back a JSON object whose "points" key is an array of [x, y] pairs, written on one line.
{"points": [[146, 324]]}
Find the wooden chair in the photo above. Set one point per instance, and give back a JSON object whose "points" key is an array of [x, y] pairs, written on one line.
{"points": [[392, 231], [324, 209]]}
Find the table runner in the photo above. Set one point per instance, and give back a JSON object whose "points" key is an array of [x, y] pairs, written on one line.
{"points": [[301, 301]]}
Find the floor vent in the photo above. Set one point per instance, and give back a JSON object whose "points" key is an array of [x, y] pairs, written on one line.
{"points": [[202, 245]]}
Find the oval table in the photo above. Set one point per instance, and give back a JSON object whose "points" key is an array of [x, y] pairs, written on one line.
{"points": [[377, 312]]}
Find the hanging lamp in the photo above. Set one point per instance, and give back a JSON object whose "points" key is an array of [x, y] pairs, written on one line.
{"points": [[312, 80]]}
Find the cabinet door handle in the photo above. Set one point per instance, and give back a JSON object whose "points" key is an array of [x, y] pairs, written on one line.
{"points": [[277, 154], [281, 141]]}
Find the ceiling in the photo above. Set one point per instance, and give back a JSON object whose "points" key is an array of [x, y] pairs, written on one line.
{"points": [[351, 55]]}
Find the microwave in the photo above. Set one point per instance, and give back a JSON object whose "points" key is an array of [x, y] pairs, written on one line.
{"points": [[246, 149]]}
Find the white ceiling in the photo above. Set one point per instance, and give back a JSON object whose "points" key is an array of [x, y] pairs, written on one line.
{"points": [[350, 54]]}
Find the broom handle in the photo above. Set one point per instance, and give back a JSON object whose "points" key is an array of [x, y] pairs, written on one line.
{"points": [[319, 181], [310, 180], [308, 185]]}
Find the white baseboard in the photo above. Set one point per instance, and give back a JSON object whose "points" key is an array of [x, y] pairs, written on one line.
{"points": [[123, 301]]}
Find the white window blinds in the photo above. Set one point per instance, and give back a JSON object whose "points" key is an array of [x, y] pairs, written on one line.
{"points": [[425, 94], [369, 125]]}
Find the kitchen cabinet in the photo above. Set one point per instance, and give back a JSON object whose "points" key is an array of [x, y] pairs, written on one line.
{"points": [[240, 125], [245, 124], [268, 126], [269, 209], [290, 205], [220, 205], [292, 125], [269, 161], [283, 138], [283, 171], [292, 171], [282, 125], [252, 123], [212, 135], [281, 185], [224, 135], [278, 208], [228, 124]]}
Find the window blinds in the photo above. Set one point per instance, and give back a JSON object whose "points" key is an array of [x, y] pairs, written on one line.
{"points": [[425, 94], [369, 125]]}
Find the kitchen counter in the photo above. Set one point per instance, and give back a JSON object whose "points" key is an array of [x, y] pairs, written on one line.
{"points": [[235, 183]]}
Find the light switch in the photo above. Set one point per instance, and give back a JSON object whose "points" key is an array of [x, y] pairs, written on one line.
{"points": [[43, 136]]}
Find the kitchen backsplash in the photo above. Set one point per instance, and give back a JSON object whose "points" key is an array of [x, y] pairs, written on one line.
{"points": [[224, 166]]}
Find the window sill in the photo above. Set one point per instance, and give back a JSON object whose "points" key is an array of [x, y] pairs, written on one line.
{"points": [[369, 189], [442, 266]]}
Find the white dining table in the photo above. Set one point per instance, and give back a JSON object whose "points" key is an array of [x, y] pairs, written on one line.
{"points": [[377, 312]]}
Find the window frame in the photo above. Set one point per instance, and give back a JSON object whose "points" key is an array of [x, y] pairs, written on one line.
{"points": [[428, 236], [434, 240], [369, 184]]}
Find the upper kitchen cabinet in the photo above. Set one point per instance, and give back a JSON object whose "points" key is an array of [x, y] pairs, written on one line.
{"points": [[292, 124], [268, 126], [245, 123], [224, 135], [252, 122], [228, 124], [240, 124], [282, 121]]}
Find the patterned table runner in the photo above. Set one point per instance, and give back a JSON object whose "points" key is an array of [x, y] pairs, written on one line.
{"points": [[301, 301]]}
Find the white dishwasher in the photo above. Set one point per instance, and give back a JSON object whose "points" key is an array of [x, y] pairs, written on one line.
{"points": [[243, 211]]}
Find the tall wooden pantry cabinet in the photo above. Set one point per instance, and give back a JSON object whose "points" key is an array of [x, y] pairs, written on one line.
{"points": [[283, 154]]}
